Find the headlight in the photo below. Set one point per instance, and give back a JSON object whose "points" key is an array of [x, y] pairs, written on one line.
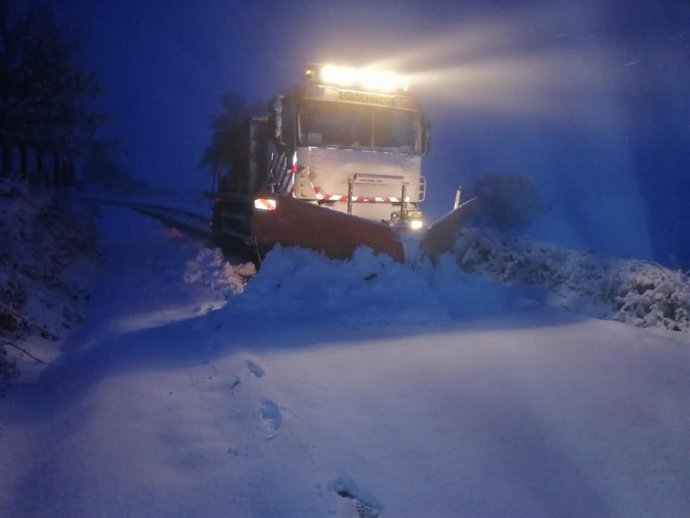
{"points": [[264, 204], [416, 224]]}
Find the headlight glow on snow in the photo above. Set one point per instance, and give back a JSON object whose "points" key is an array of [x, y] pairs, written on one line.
{"points": [[416, 224], [367, 78]]}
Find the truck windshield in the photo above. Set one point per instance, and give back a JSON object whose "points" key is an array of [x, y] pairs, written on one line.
{"points": [[356, 126]]}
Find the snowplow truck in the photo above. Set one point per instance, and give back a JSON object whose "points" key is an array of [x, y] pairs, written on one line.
{"points": [[336, 164]]}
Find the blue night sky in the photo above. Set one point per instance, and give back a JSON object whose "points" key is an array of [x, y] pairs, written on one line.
{"points": [[591, 99]]}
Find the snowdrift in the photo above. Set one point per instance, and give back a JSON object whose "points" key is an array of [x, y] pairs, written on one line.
{"points": [[487, 273], [298, 288]]}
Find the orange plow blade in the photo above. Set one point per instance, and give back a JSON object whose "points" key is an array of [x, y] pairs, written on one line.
{"points": [[290, 222], [440, 237]]}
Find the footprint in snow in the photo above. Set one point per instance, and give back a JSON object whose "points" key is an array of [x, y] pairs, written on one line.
{"points": [[235, 383], [357, 502], [271, 418], [255, 369]]}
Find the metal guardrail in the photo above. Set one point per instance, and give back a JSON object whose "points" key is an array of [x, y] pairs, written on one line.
{"points": [[190, 223]]}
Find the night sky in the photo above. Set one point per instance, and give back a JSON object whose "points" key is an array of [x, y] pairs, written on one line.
{"points": [[591, 99]]}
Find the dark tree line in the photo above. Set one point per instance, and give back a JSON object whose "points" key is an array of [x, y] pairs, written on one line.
{"points": [[46, 117]]}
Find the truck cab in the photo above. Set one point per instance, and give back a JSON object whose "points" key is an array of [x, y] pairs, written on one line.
{"points": [[350, 143], [336, 164]]}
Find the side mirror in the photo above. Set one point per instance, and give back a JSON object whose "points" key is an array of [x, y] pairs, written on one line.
{"points": [[426, 134], [275, 108]]}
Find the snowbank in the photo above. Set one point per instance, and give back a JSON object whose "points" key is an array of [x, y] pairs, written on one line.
{"points": [[43, 270], [299, 285], [374, 289], [641, 293]]}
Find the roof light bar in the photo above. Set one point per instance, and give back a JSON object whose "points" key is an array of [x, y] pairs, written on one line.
{"points": [[366, 78]]}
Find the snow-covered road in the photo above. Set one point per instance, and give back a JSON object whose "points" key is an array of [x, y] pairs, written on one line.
{"points": [[425, 392]]}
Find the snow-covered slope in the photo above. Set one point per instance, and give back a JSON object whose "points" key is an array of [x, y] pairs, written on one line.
{"points": [[641, 293], [47, 254], [323, 387]]}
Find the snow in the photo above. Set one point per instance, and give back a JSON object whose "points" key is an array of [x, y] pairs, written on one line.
{"points": [[340, 388], [190, 200], [642, 293], [368, 290], [47, 257], [210, 269]]}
